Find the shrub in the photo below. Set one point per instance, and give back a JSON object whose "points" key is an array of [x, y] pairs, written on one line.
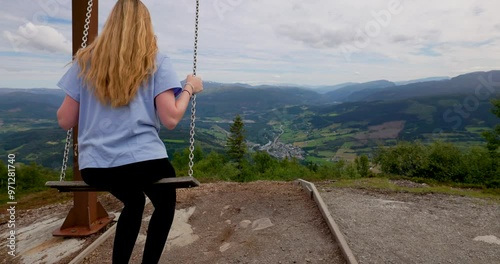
{"points": [[406, 159], [445, 163]]}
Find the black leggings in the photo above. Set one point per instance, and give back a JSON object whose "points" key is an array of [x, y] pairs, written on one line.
{"points": [[129, 183]]}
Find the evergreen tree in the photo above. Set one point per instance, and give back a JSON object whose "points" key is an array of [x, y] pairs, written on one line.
{"points": [[362, 165], [493, 144], [493, 137], [236, 145]]}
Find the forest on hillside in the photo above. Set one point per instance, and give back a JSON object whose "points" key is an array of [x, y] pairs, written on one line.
{"points": [[296, 125], [441, 162]]}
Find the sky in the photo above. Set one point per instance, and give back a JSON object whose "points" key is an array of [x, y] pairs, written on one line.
{"points": [[302, 42]]}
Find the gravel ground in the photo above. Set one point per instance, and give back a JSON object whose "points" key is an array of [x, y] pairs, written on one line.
{"points": [[293, 230], [388, 227], [380, 227]]}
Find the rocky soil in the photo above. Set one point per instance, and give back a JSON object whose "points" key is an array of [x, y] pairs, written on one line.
{"points": [[260, 222], [277, 222], [395, 227]]}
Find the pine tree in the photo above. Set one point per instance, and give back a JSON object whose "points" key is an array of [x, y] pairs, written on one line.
{"points": [[362, 165], [493, 144], [236, 145], [493, 137]]}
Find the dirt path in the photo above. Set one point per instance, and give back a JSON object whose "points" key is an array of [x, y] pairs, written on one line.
{"points": [[388, 227], [261, 222]]}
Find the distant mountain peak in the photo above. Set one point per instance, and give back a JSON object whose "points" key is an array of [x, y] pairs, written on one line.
{"points": [[428, 79]]}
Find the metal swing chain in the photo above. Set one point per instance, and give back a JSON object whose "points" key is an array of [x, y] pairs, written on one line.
{"points": [[86, 28], [193, 100]]}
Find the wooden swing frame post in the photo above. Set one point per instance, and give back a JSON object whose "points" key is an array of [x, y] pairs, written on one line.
{"points": [[87, 216]]}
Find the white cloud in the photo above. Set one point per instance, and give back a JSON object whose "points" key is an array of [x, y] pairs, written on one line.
{"points": [[304, 42], [32, 37], [9, 17]]}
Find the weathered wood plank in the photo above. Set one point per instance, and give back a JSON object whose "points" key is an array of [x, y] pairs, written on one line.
{"points": [[80, 186]]}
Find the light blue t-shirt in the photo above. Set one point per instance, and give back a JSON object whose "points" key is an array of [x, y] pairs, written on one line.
{"points": [[111, 137]]}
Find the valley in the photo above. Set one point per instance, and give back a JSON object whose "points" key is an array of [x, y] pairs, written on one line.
{"points": [[285, 121]]}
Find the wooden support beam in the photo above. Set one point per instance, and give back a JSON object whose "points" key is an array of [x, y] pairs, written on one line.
{"points": [[87, 216]]}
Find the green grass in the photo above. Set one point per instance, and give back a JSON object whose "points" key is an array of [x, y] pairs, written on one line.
{"points": [[422, 111], [213, 119], [326, 153], [216, 131], [477, 130], [35, 199], [313, 142], [347, 145], [330, 135], [344, 136], [317, 160], [292, 136], [385, 184], [15, 150], [448, 102], [175, 141], [464, 146]]}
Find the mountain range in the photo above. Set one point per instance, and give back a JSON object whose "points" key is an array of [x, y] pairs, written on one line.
{"points": [[328, 123]]}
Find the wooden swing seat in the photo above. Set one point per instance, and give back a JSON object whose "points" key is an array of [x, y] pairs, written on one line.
{"points": [[81, 186]]}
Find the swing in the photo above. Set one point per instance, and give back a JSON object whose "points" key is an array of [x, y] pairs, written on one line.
{"points": [[178, 182]]}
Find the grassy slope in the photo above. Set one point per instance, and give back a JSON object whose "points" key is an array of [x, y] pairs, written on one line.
{"points": [[385, 184]]}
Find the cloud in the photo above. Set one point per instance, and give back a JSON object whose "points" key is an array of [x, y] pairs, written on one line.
{"points": [[400, 38], [478, 10], [11, 18], [314, 35], [33, 37], [301, 41]]}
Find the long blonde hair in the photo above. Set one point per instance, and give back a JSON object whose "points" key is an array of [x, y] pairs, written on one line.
{"points": [[123, 56]]}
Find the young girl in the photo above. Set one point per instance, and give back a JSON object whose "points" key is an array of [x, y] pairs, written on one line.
{"points": [[118, 90]]}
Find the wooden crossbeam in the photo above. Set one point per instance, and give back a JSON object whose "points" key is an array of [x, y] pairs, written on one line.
{"points": [[81, 186]]}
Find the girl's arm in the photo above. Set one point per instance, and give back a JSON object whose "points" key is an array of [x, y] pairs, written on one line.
{"points": [[67, 115]]}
